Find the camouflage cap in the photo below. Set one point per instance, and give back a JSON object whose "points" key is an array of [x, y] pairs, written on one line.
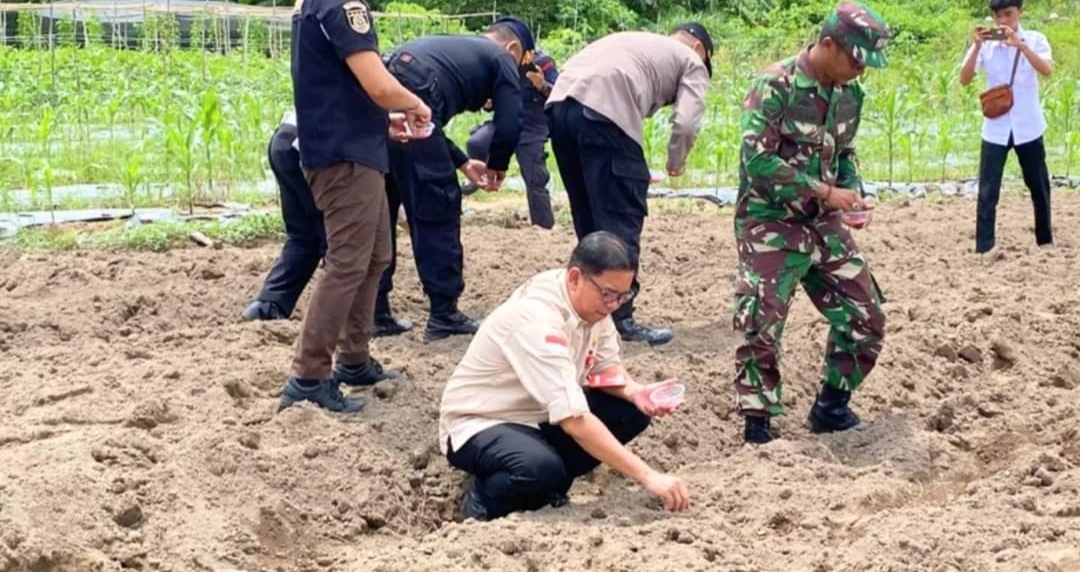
{"points": [[860, 29]]}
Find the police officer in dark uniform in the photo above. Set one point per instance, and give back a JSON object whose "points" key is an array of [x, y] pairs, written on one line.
{"points": [[531, 156], [342, 93], [305, 242], [452, 74]]}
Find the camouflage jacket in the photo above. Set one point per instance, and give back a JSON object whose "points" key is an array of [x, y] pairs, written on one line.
{"points": [[796, 134]]}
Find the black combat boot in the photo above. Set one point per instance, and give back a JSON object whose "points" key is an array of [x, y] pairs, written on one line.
{"points": [[631, 331], [757, 430], [385, 322], [452, 324], [446, 320], [831, 412]]}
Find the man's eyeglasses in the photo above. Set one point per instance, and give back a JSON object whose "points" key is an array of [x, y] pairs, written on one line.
{"points": [[610, 296]]}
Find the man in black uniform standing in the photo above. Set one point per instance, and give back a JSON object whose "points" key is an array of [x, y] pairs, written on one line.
{"points": [[305, 242], [452, 74], [342, 93], [531, 156]]}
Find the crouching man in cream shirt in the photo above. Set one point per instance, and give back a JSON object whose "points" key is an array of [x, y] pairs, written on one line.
{"points": [[541, 397]]}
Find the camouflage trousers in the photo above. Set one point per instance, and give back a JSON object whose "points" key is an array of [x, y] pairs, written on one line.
{"points": [[836, 278]]}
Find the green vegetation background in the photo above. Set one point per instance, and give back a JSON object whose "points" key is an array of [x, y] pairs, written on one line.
{"points": [[166, 125]]}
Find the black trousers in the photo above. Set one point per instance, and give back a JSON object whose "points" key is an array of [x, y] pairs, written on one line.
{"points": [[305, 242], [386, 281], [1032, 158], [518, 468], [532, 158], [423, 179], [605, 175]]}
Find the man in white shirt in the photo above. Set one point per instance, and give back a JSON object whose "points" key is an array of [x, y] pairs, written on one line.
{"points": [[1021, 128], [515, 414]]}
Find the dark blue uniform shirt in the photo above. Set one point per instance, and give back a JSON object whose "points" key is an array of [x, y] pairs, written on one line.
{"points": [[534, 127], [336, 119], [468, 71]]}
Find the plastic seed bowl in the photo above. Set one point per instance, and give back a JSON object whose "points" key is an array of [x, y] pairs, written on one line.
{"points": [[423, 133], [668, 396], [856, 218]]}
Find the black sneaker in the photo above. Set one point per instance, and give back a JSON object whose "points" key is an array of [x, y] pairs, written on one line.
{"points": [[260, 310], [456, 323], [631, 331], [326, 394], [757, 430], [363, 374], [388, 325], [831, 412], [471, 507]]}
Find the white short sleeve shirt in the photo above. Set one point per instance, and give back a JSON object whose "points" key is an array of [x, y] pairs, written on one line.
{"points": [[527, 364], [1025, 121]]}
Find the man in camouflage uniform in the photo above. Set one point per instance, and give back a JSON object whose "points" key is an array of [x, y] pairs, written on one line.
{"points": [[798, 175]]}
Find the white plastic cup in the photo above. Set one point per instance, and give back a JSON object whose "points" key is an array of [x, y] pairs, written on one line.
{"points": [[668, 395], [421, 134], [856, 218]]}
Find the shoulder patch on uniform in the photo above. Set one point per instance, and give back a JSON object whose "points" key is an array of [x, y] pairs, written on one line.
{"points": [[546, 65], [356, 13]]}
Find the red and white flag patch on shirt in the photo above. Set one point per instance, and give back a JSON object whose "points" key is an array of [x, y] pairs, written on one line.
{"points": [[557, 344]]}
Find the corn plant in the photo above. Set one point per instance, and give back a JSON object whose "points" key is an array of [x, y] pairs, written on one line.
{"points": [[210, 123], [1063, 112], [945, 142], [200, 120], [65, 30], [893, 108], [28, 27], [180, 134], [44, 137], [132, 177]]}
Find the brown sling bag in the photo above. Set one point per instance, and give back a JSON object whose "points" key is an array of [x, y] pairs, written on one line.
{"points": [[997, 101]]}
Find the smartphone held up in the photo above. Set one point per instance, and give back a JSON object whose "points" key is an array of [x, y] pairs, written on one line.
{"points": [[994, 34]]}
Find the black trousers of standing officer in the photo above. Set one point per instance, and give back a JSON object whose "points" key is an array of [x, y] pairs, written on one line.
{"points": [[605, 175], [1032, 158], [532, 159], [519, 468], [423, 179], [305, 243]]}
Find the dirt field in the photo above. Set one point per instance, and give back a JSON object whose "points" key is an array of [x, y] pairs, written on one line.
{"points": [[138, 426]]}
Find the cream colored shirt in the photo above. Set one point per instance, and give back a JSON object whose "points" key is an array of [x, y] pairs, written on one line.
{"points": [[629, 76], [527, 363]]}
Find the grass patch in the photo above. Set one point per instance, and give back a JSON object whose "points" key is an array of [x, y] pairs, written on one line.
{"points": [[157, 237]]}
